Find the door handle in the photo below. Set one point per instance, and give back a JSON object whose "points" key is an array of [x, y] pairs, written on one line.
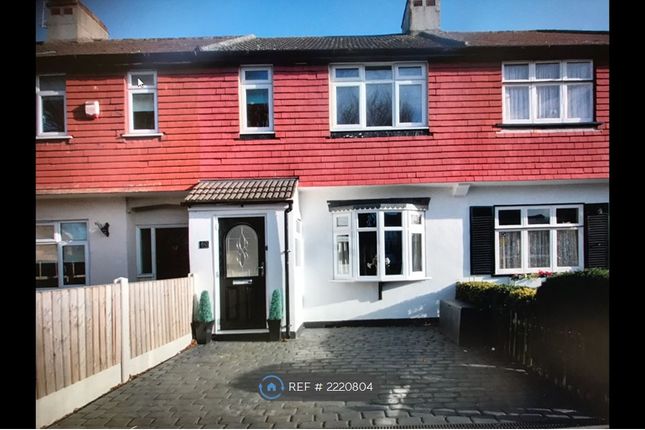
{"points": [[261, 269]]}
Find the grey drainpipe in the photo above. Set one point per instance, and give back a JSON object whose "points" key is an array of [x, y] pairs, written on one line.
{"points": [[286, 264]]}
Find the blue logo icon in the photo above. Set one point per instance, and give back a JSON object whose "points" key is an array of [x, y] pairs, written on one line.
{"points": [[271, 387]]}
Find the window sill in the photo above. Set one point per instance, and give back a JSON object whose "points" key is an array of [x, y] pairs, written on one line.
{"points": [[55, 137], [367, 281], [257, 136], [571, 125], [379, 133], [140, 135]]}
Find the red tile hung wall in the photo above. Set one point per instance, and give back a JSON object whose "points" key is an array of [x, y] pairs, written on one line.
{"points": [[199, 116]]}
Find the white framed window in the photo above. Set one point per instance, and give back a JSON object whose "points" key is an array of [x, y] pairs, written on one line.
{"points": [[547, 92], [256, 99], [147, 247], [530, 239], [378, 96], [142, 102], [379, 245], [61, 248], [50, 105]]}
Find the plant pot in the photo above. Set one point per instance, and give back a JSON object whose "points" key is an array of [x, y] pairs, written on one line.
{"points": [[202, 331], [274, 330]]}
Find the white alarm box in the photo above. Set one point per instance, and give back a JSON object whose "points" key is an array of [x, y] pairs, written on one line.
{"points": [[92, 109]]}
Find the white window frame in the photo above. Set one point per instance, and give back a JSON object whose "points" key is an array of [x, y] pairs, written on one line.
{"points": [[153, 247], [417, 229], [563, 82], [60, 243], [396, 81], [39, 107], [524, 227], [144, 89], [253, 85], [352, 230], [338, 232]]}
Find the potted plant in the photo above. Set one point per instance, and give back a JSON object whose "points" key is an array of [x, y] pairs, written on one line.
{"points": [[203, 327], [275, 315]]}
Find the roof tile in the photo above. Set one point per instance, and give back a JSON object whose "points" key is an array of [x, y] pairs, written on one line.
{"points": [[438, 40], [242, 190]]}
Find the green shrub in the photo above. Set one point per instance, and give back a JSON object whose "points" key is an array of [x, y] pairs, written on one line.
{"points": [[205, 309], [575, 300], [275, 312], [492, 296]]}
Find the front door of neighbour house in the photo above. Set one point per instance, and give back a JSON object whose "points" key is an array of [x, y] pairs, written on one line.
{"points": [[242, 273]]}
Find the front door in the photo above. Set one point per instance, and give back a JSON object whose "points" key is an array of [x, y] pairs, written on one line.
{"points": [[241, 268]]}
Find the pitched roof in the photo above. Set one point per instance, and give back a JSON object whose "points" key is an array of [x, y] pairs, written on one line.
{"points": [[242, 190], [125, 46], [328, 43], [528, 38], [438, 40]]}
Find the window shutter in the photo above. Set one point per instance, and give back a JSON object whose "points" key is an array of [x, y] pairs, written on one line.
{"points": [[482, 242], [597, 235]]}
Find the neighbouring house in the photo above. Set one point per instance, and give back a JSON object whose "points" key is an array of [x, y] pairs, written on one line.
{"points": [[361, 175]]}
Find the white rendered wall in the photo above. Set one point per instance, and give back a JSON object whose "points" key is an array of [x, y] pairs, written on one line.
{"points": [[204, 262], [297, 276], [151, 211], [447, 246], [107, 255]]}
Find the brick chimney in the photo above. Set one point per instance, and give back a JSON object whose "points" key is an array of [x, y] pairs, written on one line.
{"points": [[421, 15], [72, 20]]}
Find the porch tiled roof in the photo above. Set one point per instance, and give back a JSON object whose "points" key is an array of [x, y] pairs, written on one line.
{"points": [[242, 190]]}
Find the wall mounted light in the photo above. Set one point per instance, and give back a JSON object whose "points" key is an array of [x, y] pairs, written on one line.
{"points": [[105, 228]]}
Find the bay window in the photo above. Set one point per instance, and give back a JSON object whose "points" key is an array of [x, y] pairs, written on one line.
{"points": [[61, 248], [379, 244], [548, 92], [530, 239], [378, 96]]}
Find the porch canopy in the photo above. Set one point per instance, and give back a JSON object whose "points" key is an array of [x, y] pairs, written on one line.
{"points": [[264, 190]]}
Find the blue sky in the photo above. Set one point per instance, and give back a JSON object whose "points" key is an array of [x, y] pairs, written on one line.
{"points": [[176, 18]]}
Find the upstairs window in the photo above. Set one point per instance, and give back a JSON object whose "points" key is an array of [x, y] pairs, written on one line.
{"points": [[142, 101], [50, 106], [256, 99], [378, 96], [548, 92]]}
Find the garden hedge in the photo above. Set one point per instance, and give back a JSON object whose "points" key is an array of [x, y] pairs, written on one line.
{"points": [[497, 297]]}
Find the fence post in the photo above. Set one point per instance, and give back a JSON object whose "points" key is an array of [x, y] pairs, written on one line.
{"points": [[125, 328]]}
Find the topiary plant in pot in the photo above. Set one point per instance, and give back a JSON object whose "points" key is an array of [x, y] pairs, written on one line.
{"points": [[203, 327], [275, 315]]}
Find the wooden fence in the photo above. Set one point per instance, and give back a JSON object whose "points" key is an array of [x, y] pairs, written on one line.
{"points": [[89, 339], [567, 358]]}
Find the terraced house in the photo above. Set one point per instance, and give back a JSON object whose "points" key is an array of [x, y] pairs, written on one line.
{"points": [[361, 175]]}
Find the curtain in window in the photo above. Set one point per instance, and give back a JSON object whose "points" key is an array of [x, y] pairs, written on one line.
{"points": [[548, 101], [509, 250], [516, 72], [517, 102], [539, 248], [579, 70], [567, 248], [579, 101]]}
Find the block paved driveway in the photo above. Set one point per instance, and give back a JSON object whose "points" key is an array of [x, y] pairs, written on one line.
{"points": [[427, 381]]}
